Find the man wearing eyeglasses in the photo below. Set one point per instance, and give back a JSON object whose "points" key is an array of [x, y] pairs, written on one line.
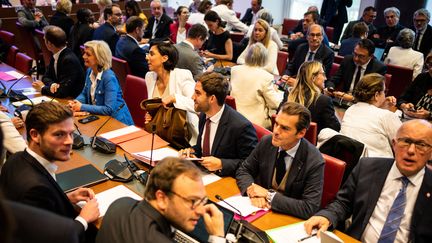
{"points": [[386, 35], [353, 68], [107, 32], [368, 17], [389, 199], [423, 39], [174, 199]]}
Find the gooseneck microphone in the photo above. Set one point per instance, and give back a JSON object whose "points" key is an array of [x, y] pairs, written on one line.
{"points": [[102, 144], [14, 95], [240, 227], [153, 131], [139, 174], [78, 141]]}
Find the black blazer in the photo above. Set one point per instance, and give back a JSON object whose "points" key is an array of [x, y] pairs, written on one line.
{"points": [[329, 8], [80, 34], [24, 179], [63, 21], [107, 33], [303, 189], [248, 16], [346, 71], [70, 76], [234, 140], [162, 29], [426, 44], [323, 113], [358, 198], [324, 54], [127, 49]]}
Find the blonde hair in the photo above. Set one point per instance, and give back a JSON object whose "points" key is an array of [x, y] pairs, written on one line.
{"points": [[64, 6], [266, 27], [103, 3], [308, 71], [102, 53]]}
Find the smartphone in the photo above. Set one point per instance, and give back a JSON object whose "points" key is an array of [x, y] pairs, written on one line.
{"points": [[88, 119]]}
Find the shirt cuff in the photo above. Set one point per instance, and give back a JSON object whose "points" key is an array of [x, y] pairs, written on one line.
{"points": [[216, 239], [82, 221]]}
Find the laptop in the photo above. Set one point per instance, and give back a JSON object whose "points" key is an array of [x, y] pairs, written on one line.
{"points": [[379, 52], [200, 234]]}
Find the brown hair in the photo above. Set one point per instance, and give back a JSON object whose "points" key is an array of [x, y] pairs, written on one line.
{"points": [[215, 84], [367, 87], [295, 109]]}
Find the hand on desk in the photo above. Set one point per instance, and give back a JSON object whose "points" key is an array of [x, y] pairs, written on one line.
{"points": [[258, 196], [420, 114], [187, 153], [54, 87], [316, 222], [38, 85], [80, 194], [75, 105], [213, 220], [90, 211]]}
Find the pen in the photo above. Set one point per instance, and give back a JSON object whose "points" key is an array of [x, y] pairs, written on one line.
{"points": [[307, 237]]}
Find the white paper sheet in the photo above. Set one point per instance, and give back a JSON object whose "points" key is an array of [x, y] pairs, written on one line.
{"points": [[158, 154], [210, 178], [120, 132], [243, 204], [291, 234], [35, 101], [14, 74]]}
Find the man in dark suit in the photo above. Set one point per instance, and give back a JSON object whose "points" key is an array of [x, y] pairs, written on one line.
{"points": [[385, 36], [348, 73], [423, 40], [251, 13], [285, 172], [187, 49], [225, 136], [313, 50], [369, 15], [107, 32], [397, 207], [335, 14], [128, 48], [158, 24], [64, 76], [174, 199], [29, 176]]}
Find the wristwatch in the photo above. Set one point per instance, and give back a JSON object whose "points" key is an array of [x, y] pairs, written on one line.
{"points": [[270, 195]]}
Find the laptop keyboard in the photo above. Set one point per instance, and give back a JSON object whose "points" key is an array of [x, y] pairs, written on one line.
{"points": [[181, 237]]}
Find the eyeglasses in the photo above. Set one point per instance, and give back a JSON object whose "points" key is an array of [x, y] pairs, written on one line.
{"points": [[194, 202], [359, 55], [406, 142]]}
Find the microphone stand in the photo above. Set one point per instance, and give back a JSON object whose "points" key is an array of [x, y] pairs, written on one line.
{"points": [[153, 130], [240, 228]]}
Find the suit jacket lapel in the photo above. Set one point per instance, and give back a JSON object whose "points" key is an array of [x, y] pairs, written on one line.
{"points": [[220, 129], [423, 201], [296, 165]]}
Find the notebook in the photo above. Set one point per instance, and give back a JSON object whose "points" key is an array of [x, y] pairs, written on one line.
{"points": [[86, 175]]}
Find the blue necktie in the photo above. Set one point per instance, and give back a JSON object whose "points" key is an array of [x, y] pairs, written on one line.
{"points": [[310, 57], [394, 218]]}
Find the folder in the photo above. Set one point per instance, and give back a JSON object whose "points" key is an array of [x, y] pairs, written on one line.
{"points": [[84, 176]]}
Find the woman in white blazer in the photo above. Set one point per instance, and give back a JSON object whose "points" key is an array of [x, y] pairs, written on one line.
{"points": [[252, 87], [403, 55], [173, 85], [261, 34]]}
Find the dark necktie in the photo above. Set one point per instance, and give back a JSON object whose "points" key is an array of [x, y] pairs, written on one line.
{"points": [[357, 77], [206, 141], [394, 218], [310, 57], [416, 42], [280, 166]]}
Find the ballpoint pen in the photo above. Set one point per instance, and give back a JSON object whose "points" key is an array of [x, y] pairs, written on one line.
{"points": [[307, 237]]}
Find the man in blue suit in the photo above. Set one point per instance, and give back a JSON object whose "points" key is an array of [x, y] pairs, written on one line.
{"points": [[128, 49], [225, 136], [107, 31]]}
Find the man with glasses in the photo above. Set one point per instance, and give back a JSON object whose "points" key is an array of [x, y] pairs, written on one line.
{"points": [[423, 39], [158, 24], [386, 35], [314, 49], [389, 199], [368, 17], [353, 68], [107, 32], [174, 199]]}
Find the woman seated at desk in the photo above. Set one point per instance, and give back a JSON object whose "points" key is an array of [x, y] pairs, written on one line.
{"points": [[173, 85], [261, 34], [219, 44], [368, 121], [102, 94], [416, 101]]}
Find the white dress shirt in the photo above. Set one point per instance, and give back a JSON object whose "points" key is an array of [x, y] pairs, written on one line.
{"points": [[94, 82], [214, 123], [56, 57], [392, 186], [363, 69], [230, 17]]}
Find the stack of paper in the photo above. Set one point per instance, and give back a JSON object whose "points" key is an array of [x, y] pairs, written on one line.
{"points": [[295, 233], [158, 154], [243, 204]]}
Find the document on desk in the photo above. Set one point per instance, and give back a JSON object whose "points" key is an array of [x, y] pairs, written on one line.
{"points": [[34, 101], [107, 197], [295, 233], [243, 204], [158, 154]]}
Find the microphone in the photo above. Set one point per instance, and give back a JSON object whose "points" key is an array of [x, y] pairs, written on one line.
{"points": [[139, 174], [102, 144], [15, 95], [78, 141], [240, 227], [153, 131]]}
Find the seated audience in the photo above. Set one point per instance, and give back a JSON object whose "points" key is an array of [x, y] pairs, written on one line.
{"points": [[128, 48], [175, 198], [368, 121], [158, 25], [102, 4], [225, 137], [188, 50], [61, 18], [403, 55], [219, 44], [354, 67], [13, 141], [173, 85], [81, 32], [308, 92], [387, 199], [386, 35], [416, 100], [132, 8], [198, 17], [193, 7], [423, 37], [102, 94], [261, 34], [266, 15], [285, 172], [107, 31], [359, 32], [180, 27], [252, 87], [49, 127], [251, 14], [31, 17], [225, 12], [64, 76], [368, 17], [299, 28]]}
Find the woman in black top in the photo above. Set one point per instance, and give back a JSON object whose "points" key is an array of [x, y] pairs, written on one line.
{"points": [[219, 44], [81, 32]]}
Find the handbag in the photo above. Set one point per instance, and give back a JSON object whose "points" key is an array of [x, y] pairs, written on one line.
{"points": [[170, 123]]}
